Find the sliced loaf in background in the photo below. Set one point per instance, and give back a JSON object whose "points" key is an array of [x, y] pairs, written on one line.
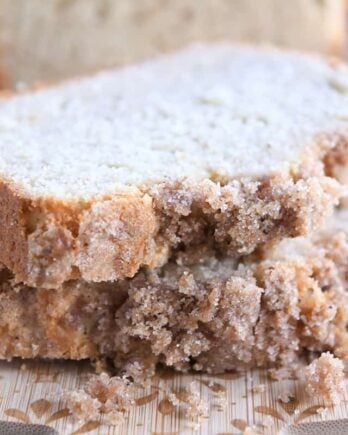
{"points": [[221, 145], [48, 40]]}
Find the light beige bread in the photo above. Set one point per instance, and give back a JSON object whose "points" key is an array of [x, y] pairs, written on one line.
{"points": [[215, 145], [47, 40], [203, 313]]}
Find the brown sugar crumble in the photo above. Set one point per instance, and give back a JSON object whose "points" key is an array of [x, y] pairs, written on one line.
{"points": [[325, 378], [112, 398], [101, 395], [206, 313], [220, 316], [215, 315], [259, 389]]}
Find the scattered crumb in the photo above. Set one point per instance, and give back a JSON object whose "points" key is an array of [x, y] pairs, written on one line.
{"points": [[281, 373], [285, 396], [251, 430], [82, 405], [221, 401], [102, 394], [267, 421], [141, 371], [191, 402], [323, 412], [261, 388], [24, 367], [325, 378], [220, 398]]}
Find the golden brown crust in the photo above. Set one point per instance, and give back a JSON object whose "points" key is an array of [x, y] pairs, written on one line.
{"points": [[55, 323], [14, 247]]}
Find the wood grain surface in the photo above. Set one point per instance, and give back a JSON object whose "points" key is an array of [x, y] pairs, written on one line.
{"points": [[31, 393]]}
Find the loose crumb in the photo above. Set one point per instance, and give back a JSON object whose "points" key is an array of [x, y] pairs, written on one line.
{"points": [[102, 395], [191, 402], [325, 378], [261, 388], [323, 412], [221, 401], [285, 396], [267, 421], [251, 430], [82, 405], [281, 373]]}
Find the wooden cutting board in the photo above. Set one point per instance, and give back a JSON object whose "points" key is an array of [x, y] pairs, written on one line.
{"points": [[30, 393]]}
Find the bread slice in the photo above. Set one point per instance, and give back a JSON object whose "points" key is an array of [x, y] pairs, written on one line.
{"points": [[106, 33], [223, 145], [208, 314]]}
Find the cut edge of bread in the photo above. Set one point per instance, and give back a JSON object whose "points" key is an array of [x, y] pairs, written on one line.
{"points": [[46, 241]]}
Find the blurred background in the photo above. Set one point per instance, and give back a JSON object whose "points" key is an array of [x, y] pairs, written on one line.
{"points": [[49, 40]]}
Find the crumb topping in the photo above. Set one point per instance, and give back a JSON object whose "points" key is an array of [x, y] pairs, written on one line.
{"points": [[325, 378]]}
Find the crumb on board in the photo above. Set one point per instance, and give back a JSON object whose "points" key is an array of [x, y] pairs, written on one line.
{"points": [[190, 400], [220, 401], [82, 405], [325, 378], [110, 398], [323, 412], [251, 430], [102, 395], [285, 396], [258, 389], [281, 373], [267, 422]]}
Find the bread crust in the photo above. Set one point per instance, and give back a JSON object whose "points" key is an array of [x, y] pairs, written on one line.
{"points": [[13, 229], [46, 242]]}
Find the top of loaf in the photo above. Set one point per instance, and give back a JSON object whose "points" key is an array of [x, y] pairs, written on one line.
{"points": [[233, 110]]}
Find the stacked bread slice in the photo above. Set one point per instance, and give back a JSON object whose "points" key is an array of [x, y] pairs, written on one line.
{"points": [[176, 212]]}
